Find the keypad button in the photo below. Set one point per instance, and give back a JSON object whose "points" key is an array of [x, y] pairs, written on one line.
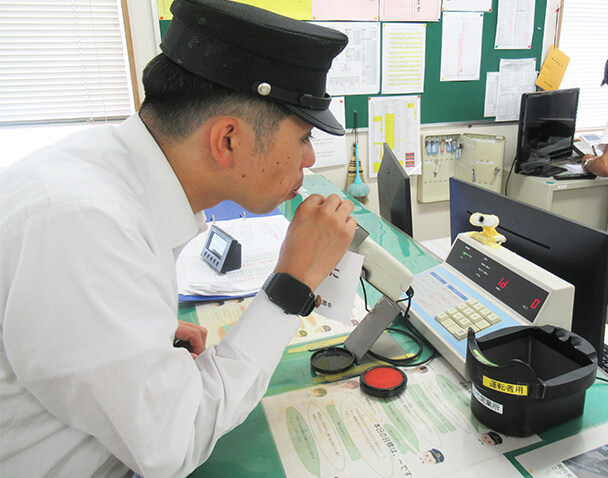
{"points": [[457, 316], [460, 334], [493, 318], [475, 317], [441, 317]]}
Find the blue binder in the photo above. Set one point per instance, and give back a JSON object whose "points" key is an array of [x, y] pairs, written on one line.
{"points": [[223, 211]]}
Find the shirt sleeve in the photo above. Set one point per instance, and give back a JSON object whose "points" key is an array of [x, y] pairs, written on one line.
{"points": [[89, 328]]}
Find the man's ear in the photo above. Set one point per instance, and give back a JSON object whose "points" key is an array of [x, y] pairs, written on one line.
{"points": [[224, 139]]}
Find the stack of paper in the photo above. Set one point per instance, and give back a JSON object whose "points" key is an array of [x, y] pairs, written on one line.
{"points": [[260, 238]]}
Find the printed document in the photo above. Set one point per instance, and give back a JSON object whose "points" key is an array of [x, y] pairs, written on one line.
{"points": [[334, 429], [403, 57], [330, 150], [515, 77], [515, 24], [461, 46], [394, 120], [356, 71]]}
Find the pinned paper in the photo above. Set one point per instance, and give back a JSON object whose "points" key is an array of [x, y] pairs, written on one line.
{"points": [[552, 72], [164, 12], [298, 9]]}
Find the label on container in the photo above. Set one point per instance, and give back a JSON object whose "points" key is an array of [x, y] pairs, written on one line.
{"points": [[486, 402], [510, 388]]}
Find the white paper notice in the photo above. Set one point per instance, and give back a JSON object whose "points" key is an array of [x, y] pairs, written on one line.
{"points": [[394, 120], [338, 290], [218, 318], [515, 24], [334, 429], [403, 51], [514, 78], [356, 71], [490, 105], [461, 46], [330, 150], [345, 10], [410, 10], [582, 455], [467, 5]]}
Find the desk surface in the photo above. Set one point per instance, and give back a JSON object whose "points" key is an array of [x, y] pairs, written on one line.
{"points": [[249, 449]]}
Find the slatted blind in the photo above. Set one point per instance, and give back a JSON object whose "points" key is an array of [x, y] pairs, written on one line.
{"points": [[62, 60], [584, 38]]}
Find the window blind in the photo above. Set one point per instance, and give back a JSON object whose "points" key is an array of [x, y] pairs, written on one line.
{"points": [[584, 38], [62, 60]]}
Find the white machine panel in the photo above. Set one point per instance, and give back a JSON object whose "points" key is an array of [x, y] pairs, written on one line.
{"points": [[484, 287]]}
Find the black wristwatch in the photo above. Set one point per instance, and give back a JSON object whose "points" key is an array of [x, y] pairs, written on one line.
{"points": [[291, 295]]}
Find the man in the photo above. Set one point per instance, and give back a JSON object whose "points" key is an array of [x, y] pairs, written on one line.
{"points": [[90, 382], [598, 163]]}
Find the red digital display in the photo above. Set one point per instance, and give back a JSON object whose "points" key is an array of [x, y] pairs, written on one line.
{"points": [[503, 283]]}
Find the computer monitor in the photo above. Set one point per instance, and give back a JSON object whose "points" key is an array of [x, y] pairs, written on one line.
{"points": [[575, 252], [547, 121], [394, 192]]}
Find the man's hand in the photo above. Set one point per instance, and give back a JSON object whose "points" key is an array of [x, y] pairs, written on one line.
{"points": [[317, 238], [597, 165], [191, 336]]}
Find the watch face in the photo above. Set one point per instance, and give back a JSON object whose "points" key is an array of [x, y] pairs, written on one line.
{"points": [[293, 296]]}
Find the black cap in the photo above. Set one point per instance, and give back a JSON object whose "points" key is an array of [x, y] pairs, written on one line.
{"points": [[257, 52]]}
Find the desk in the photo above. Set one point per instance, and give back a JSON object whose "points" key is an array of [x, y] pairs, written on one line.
{"points": [[249, 450], [584, 200]]}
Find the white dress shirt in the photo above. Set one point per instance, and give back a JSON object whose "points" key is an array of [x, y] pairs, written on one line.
{"points": [[90, 383]]}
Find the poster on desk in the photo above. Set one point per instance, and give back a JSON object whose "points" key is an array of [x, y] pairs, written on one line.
{"points": [[335, 430]]}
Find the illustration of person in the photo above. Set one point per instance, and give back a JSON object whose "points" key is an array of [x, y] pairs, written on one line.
{"points": [[351, 384], [432, 457], [223, 330], [318, 392], [491, 438]]}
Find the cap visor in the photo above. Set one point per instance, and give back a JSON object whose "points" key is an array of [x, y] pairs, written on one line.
{"points": [[322, 119]]}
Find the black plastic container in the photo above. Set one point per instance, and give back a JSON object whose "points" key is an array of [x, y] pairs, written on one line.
{"points": [[527, 379]]}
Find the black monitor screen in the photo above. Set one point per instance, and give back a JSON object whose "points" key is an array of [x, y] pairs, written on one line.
{"points": [[394, 192], [547, 121], [570, 250]]}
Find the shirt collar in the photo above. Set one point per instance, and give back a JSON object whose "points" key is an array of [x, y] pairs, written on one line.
{"points": [[163, 191]]}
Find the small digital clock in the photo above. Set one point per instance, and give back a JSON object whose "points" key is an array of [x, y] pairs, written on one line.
{"points": [[221, 251]]}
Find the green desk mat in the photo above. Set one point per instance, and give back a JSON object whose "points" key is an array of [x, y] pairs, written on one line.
{"points": [[249, 450]]}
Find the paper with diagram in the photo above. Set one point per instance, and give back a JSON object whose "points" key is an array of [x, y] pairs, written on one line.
{"points": [[334, 430]]}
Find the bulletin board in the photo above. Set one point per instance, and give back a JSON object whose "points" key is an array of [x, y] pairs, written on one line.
{"points": [[453, 101]]}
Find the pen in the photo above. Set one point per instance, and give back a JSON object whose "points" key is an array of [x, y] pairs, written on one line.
{"points": [[594, 151]]}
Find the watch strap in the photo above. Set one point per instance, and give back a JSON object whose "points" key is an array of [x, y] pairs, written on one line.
{"points": [[290, 294]]}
